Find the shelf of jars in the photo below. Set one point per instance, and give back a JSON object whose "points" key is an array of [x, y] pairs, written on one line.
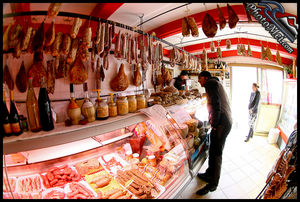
{"points": [[62, 134]]}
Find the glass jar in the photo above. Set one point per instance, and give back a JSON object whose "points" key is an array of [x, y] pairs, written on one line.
{"points": [[102, 112], [112, 108], [132, 103], [141, 102], [122, 105]]}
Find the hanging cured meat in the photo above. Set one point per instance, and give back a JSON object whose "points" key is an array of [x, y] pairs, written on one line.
{"points": [[239, 50], [30, 45], [39, 38], [7, 78], [60, 71], [219, 52], [57, 44], [78, 72], [51, 77], [185, 30], [278, 58], [209, 26], [6, 37], [37, 70], [243, 50], [232, 17], [26, 40], [53, 10], [17, 48], [120, 82], [228, 44], [249, 50], [66, 45], [204, 60], [50, 35], [98, 33], [212, 46], [117, 45], [75, 27], [193, 26], [222, 20], [87, 37], [269, 54], [100, 47], [247, 12], [21, 79], [14, 36], [73, 51], [137, 78], [263, 52]]}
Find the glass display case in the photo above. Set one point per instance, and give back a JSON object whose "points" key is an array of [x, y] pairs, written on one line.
{"points": [[136, 156]]}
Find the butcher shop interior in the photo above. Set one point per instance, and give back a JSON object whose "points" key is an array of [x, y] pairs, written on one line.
{"points": [[112, 100]]}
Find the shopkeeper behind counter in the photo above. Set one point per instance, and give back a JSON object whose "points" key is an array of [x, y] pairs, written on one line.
{"points": [[179, 82]]}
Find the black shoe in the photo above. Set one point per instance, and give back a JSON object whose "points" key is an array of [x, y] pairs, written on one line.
{"points": [[207, 188], [203, 176]]}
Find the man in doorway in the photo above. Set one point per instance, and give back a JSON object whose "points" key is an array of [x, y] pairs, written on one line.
{"points": [[220, 121], [253, 106]]}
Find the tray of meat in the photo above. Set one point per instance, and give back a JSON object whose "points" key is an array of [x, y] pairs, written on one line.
{"points": [[29, 184], [106, 186], [54, 193], [112, 163], [12, 182], [59, 176], [80, 190], [88, 167]]}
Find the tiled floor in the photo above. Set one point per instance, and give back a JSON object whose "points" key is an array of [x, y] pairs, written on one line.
{"points": [[245, 168]]}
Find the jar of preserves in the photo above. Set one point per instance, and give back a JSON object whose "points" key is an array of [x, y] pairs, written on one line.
{"points": [[102, 112], [141, 101], [112, 106], [132, 103], [122, 105]]}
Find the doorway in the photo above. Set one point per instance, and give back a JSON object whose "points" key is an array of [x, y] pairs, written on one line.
{"points": [[242, 80]]}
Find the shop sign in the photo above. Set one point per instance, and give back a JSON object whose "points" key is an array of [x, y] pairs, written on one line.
{"points": [[279, 28]]}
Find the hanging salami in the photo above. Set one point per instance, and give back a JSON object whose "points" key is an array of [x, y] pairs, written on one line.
{"points": [[39, 39], [21, 79], [50, 35], [222, 20]]}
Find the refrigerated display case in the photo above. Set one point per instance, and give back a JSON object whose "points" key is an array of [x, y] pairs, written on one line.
{"points": [[96, 161]]}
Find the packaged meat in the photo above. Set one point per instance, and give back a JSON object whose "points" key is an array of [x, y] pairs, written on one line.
{"points": [[53, 10], [209, 26], [54, 193], [29, 184], [88, 167], [21, 79], [112, 163], [79, 190], [233, 18]]}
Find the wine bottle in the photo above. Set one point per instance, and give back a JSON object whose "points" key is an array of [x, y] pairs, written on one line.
{"points": [[5, 118], [32, 109], [14, 118], [45, 108]]}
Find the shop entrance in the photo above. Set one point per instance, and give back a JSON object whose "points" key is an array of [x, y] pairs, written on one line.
{"points": [[242, 80]]}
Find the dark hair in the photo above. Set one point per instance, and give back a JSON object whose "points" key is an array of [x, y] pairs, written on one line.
{"points": [[204, 74], [255, 84], [183, 73]]}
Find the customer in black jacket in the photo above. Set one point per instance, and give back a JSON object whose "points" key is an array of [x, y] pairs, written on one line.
{"points": [[179, 82], [253, 107], [220, 121]]}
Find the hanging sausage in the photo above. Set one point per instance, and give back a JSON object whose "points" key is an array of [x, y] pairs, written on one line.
{"points": [[228, 44], [53, 10], [269, 54], [278, 58], [39, 39], [75, 27], [57, 44], [263, 52], [50, 35], [14, 36], [73, 51], [66, 44], [6, 37], [193, 26], [26, 40], [249, 50], [185, 30]]}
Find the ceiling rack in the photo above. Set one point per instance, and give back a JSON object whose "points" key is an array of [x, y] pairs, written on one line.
{"points": [[87, 17]]}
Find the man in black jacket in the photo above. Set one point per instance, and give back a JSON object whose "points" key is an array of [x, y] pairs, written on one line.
{"points": [[220, 121], [253, 106]]}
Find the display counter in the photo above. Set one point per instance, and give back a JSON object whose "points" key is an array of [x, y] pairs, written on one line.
{"points": [[137, 156]]}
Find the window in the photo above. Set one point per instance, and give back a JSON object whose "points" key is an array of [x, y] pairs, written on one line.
{"points": [[271, 86]]}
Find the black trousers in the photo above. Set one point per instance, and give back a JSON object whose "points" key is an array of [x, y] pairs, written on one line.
{"points": [[217, 142]]}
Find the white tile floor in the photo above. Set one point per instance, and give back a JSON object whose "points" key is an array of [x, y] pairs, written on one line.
{"points": [[245, 168]]}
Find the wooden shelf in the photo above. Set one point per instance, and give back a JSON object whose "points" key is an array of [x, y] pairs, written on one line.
{"points": [[62, 134], [217, 70]]}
